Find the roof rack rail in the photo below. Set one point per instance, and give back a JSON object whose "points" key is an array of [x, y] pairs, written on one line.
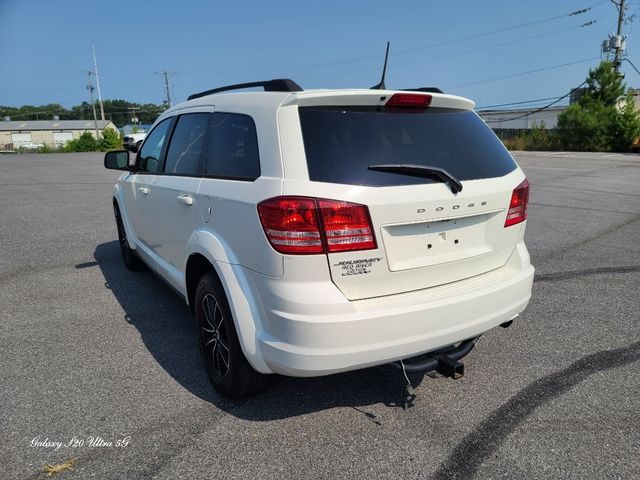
{"points": [[423, 89], [275, 85]]}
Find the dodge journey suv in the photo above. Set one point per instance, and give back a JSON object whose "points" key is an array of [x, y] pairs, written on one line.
{"points": [[315, 232]]}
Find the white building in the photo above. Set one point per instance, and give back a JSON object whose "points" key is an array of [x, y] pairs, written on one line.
{"points": [[54, 133], [522, 119]]}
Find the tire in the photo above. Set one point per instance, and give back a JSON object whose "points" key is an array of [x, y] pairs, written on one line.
{"points": [[228, 368], [129, 256]]}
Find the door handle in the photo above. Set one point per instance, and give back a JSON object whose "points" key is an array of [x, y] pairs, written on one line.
{"points": [[185, 199], [143, 190]]}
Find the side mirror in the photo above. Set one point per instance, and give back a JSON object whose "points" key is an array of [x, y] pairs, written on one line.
{"points": [[117, 160]]}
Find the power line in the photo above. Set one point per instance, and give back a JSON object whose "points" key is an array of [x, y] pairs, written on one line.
{"points": [[518, 103], [348, 61], [539, 109], [500, 30], [501, 44], [56, 112], [630, 63], [464, 52], [520, 74]]}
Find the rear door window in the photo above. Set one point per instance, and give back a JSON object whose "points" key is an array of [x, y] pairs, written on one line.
{"points": [[342, 142], [232, 150]]}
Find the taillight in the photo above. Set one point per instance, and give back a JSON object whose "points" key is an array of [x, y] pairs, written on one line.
{"points": [[347, 226], [291, 224], [418, 100], [518, 206], [303, 225]]}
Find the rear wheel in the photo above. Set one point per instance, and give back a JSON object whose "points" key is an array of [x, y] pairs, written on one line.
{"points": [[228, 368], [129, 256]]}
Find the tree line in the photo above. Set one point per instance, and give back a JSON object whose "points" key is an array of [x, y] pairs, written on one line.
{"points": [[605, 118], [120, 112]]}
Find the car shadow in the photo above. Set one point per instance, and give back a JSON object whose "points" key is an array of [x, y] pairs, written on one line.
{"points": [[167, 329]]}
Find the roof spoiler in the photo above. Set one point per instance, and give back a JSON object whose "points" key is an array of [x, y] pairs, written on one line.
{"points": [[275, 85]]}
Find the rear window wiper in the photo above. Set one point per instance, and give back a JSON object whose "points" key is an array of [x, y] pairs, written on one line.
{"points": [[421, 171]]}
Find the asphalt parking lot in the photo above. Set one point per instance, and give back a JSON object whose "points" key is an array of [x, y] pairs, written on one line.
{"points": [[91, 350]]}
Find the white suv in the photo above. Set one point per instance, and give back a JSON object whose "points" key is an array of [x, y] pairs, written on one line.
{"points": [[314, 232]]}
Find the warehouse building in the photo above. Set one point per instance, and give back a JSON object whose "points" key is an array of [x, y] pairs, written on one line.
{"points": [[522, 119], [518, 120], [54, 133]]}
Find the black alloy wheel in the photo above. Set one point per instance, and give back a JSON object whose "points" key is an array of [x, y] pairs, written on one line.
{"points": [[131, 260], [214, 338], [222, 355]]}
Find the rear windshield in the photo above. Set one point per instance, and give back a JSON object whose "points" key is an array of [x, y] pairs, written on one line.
{"points": [[342, 142]]}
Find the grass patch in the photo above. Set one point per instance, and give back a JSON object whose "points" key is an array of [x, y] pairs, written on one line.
{"points": [[50, 469]]}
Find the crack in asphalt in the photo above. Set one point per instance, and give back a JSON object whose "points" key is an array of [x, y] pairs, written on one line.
{"points": [[579, 189], [573, 207], [587, 174], [479, 445], [559, 276], [592, 238]]}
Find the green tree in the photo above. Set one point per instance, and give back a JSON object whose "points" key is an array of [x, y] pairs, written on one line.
{"points": [[604, 86], [585, 128], [118, 111], [599, 122], [110, 140], [84, 143], [31, 112], [82, 111], [627, 126], [149, 112]]}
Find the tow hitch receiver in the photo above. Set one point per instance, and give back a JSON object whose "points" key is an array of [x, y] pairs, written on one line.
{"points": [[450, 368], [445, 362]]}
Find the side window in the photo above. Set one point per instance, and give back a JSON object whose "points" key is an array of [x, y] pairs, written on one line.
{"points": [[187, 141], [232, 150], [151, 151]]}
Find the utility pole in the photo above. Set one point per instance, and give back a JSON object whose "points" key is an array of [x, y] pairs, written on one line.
{"points": [[617, 43], [167, 100], [93, 104], [134, 119], [95, 68], [166, 86]]}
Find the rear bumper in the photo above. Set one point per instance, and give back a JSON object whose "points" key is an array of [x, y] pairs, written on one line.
{"points": [[336, 335]]}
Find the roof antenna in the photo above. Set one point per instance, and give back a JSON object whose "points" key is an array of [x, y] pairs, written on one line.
{"points": [[381, 86]]}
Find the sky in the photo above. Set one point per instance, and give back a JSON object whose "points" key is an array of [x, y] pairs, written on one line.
{"points": [[492, 51]]}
